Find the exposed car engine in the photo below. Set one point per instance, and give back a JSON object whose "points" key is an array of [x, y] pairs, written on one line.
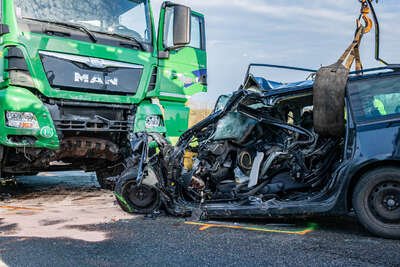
{"points": [[254, 150]]}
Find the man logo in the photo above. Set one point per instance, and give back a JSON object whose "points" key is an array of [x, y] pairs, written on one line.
{"points": [[96, 63], [95, 79]]}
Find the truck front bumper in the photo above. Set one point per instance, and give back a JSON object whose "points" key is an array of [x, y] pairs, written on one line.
{"points": [[19, 99]]}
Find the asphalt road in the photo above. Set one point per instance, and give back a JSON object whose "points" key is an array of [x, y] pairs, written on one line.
{"points": [[167, 241]]}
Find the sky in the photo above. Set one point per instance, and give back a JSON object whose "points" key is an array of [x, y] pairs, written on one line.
{"points": [[302, 33]]}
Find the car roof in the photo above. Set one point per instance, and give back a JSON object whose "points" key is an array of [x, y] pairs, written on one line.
{"points": [[271, 88]]}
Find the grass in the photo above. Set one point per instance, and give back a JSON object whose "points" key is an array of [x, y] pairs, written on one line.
{"points": [[197, 115]]}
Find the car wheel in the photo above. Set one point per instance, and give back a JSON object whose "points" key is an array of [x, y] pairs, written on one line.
{"points": [[134, 198], [376, 201]]}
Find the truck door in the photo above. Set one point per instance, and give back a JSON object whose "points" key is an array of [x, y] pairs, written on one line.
{"points": [[182, 64], [182, 67]]}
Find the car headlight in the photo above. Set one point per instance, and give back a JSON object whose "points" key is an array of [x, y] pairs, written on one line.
{"points": [[153, 121], [24, 120]]}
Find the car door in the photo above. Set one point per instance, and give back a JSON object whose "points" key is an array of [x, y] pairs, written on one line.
{"points": [[375, 105]]}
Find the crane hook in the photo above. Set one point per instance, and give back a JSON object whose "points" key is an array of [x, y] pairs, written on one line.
{"points": [[365, 10]]}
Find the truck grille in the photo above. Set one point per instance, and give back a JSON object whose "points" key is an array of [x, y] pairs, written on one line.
{"points": [[94, 125], [95, 75], [91, 117]]}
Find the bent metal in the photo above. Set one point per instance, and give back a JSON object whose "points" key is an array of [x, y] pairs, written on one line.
{"points": [[86, 78]]}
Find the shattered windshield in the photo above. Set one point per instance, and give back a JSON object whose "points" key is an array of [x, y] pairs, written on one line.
{"points": [[121, 17]]}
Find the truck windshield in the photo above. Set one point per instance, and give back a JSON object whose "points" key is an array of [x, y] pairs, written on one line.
{"points": [[129, 18]]}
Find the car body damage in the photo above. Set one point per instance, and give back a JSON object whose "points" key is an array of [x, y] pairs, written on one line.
{"points": [[258, 155]]}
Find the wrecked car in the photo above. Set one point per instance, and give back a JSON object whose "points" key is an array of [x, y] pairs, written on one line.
{"points": [[258, 155]]}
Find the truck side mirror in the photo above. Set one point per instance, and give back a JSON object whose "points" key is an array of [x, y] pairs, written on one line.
{"points": [[182, 23], [174, 27]]}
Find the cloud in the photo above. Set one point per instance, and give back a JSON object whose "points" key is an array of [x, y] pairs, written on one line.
{"points": [[276, 9], [290, 11], [305, 33]]}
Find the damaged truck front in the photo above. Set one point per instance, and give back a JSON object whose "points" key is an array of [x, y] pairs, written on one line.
{"points": [[79, 77], [259, 155]]}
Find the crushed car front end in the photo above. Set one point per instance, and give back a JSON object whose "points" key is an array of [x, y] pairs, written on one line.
{"points": [[256, 155]]}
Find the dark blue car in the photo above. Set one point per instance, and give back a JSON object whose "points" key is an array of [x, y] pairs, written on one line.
{"points": [[258, 155]]}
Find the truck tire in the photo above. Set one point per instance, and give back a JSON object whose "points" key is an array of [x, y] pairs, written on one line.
{"points": [[376, 201], [104, 175], [103, 181], [328, 100]]}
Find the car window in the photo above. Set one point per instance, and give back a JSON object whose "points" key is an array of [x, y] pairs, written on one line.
{"points": [[375, 99], [296, 110]]}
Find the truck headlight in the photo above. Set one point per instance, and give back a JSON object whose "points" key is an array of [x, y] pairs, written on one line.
{"points": [[24, 120], [153, 121]]}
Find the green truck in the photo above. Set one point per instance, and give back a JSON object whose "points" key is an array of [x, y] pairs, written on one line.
{"points": [[78, 78]]}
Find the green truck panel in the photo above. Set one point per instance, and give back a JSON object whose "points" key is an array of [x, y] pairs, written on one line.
{"points": [[22, 100], [176, 117], [147, 109]]}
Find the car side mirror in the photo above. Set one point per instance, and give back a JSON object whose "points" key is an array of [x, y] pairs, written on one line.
{"points": [[182, 17]]}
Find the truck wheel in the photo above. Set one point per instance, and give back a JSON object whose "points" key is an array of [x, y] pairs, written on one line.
{"points": [[143, 199], [104, 182], [104, 175], [376, 201]]}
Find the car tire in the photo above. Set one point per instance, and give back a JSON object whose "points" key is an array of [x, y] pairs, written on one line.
{"points": [[328, 100], [127, 193], [376, 201]]}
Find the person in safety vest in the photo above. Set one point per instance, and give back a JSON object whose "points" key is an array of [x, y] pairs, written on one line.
{"points": [[378, 104]]}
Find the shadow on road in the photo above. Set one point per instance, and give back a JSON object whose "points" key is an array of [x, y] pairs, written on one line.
{"points": [[79, 188], [57, 205], [67, 215]]}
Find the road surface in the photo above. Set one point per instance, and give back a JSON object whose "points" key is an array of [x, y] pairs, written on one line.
{"points": [[64, 219]]}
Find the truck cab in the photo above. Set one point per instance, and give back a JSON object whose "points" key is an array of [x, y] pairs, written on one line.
{"points": [[78, 78]]}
